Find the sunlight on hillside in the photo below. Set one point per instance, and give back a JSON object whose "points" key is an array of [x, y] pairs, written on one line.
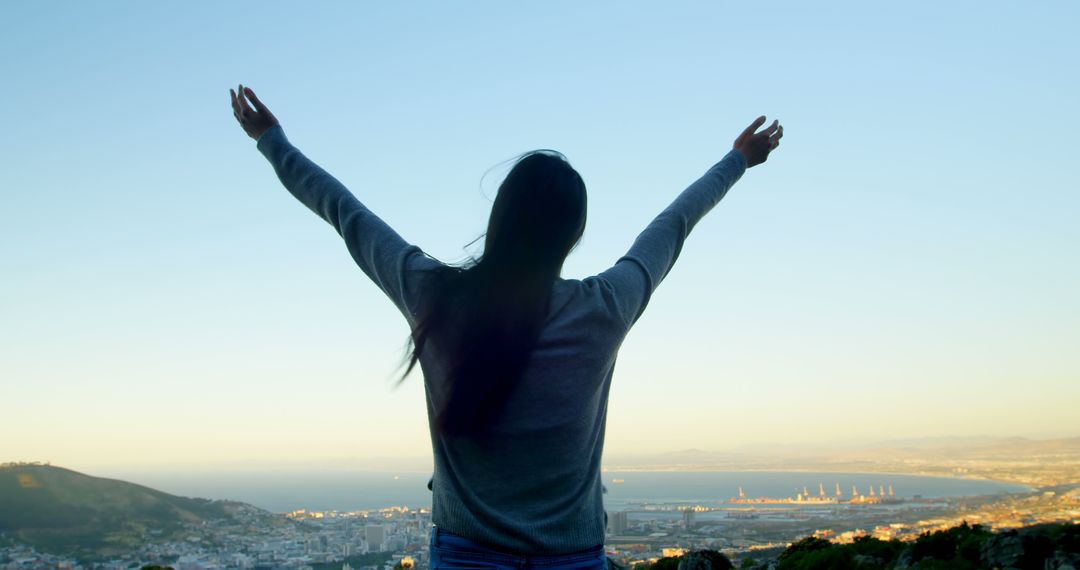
{"points": [[28, 481]]}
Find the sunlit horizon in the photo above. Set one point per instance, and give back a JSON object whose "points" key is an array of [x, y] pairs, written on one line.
{"points": [[904, 266]]}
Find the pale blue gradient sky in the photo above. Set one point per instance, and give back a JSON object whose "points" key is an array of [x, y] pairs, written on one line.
{"points": [[905, 265]]}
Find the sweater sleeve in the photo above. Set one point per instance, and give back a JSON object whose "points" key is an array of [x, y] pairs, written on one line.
{"points": [[634, 277], [379, 251]]}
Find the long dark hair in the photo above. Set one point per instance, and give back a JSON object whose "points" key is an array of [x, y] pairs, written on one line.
{"points": [[487, 315]]}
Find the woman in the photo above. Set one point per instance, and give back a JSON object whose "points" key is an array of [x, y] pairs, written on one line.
{"points": [[517, 362]]}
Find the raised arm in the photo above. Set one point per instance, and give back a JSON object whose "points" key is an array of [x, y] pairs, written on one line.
{"points": [[636, 275], [379, 251]]}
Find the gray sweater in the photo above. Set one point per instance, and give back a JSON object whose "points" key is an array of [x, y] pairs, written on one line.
{"points": [[532, 485]]}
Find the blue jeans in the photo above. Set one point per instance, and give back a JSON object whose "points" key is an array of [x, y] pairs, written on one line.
{"points": [[452, 552]]}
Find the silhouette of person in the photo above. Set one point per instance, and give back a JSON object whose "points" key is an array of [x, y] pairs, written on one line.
{"points": [[517, 361]]}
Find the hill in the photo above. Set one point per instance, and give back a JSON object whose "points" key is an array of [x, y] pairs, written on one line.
{"points": [[962, 547], [65, 512]]}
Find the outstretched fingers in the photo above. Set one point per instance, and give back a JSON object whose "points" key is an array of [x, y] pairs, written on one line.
{"points": [[749, 131], [254, 117], [772, 128], [244, 108], [774, 139], [235, 104], [755, 146], [255, 100]]}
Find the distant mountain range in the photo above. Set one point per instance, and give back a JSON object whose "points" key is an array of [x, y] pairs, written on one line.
{"points": [[802, 455], [1047, 464], [65, 512]]}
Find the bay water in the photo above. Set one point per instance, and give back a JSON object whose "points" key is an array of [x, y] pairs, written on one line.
{"points": [[349, 490]]}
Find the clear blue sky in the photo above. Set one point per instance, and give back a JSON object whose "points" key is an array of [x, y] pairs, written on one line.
{"points": [[905, 265]]}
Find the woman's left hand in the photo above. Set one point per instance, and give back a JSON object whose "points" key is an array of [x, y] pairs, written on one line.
{"points": [[255, 121]]}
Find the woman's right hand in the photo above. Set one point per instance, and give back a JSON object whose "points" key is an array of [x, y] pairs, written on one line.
{"points": [[755, 147], [255, 121]]}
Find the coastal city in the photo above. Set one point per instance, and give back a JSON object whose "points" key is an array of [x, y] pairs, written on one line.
{"points": [[397, 537]]}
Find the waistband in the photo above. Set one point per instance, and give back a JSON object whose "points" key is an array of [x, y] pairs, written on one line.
{"points": [[444, 539]]}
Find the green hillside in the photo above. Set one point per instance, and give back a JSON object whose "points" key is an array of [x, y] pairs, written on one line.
{"points": [[63, 511]]}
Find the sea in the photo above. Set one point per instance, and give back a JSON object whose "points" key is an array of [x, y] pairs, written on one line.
{"points": [[345, 491]]}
